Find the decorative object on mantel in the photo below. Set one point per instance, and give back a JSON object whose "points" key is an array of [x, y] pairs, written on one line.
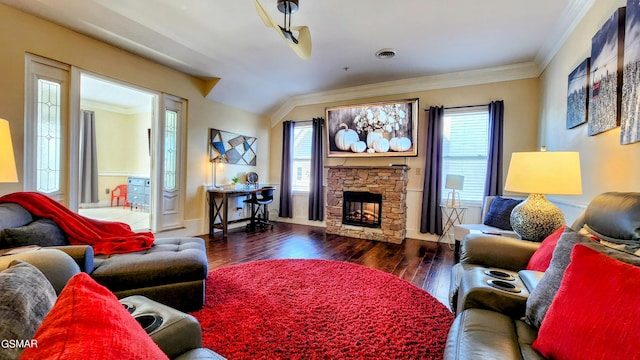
{"points": [[232, 148], [630, 122], [607, 47], [8, 173], [453, 183], [539, 173], [379, 129], [577, 95]]}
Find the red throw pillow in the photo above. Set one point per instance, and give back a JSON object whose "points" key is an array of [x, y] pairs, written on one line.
{"points": [[594, 313], [88, 322], [542, 257]]}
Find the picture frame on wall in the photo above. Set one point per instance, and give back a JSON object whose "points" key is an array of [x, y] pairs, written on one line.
{"points": [[379, 129], [630, 122], [605, 90], [231, 148], [578, 95]]}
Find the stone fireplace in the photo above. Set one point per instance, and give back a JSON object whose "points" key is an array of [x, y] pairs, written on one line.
{"points": [[363, 185], [362, 208]]}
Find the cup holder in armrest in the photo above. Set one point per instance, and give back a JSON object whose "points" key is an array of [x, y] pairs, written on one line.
{"points": [[129, 307], [503, 285], [499, 275], [149, 322]]}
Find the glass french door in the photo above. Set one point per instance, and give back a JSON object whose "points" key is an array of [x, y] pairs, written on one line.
{"points": [[52, 99]]}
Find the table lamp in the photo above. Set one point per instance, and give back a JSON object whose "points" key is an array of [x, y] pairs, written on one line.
{"points": [[540, 173], [215, 163], [453, 183], [8, 173]]}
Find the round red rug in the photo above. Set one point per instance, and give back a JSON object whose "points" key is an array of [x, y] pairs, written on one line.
{"points": [[308, 309]]}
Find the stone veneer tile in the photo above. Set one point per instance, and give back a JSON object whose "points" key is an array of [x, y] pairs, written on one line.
{"points": [[391, 182]]}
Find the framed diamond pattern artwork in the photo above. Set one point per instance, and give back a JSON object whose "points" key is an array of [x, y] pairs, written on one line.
{"points": [[230, 148]]}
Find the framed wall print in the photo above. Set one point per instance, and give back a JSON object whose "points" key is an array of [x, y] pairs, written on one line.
{"points": [[230, 148], [605, 93], [630, 122], [388, 128], [577, 95]]}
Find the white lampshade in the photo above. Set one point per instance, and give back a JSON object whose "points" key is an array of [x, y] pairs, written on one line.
{"points": [[454, 182], [8, 172], [545, 173], [540, 173]]}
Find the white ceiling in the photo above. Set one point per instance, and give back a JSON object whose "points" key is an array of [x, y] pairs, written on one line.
{"points": [[259, 72]]}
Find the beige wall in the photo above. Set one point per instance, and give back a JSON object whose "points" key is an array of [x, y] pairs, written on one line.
{"points": [[606, 165], [121, 147], [21, 33], [520, 129]]}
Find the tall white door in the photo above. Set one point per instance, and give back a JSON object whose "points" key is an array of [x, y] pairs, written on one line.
{"points": [[169, 142], [51, 142], [47, 125]]}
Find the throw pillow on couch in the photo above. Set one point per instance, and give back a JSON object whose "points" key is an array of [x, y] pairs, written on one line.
{"points": [[499, 213], [593, 315], [26, 296], [88, 322], [543, 294]]}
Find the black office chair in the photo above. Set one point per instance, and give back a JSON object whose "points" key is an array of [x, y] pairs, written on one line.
{"points": [[260, 210]]}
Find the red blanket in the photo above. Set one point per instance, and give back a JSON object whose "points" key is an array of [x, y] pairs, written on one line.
{"points": [[105, 237]]}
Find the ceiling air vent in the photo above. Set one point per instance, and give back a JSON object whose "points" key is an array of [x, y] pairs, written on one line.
{"points": [[385, 53]]}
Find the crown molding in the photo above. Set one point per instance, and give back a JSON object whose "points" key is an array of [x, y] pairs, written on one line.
{"points": [[564, 26], [424, 83]]}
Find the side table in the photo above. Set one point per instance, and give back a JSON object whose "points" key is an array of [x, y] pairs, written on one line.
{"points": [[451, 216]]}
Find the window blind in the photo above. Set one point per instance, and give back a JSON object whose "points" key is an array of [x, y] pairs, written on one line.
{"points": [[465, 149], [302, 135]]}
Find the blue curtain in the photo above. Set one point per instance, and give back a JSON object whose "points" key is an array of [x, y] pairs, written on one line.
{"points": [[286, 193], [431, 219], [316, 195], [493, 183]]}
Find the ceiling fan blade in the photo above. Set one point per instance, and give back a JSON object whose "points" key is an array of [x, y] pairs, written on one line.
{"points": [[300, 45], [303, 47], [264, 16]]}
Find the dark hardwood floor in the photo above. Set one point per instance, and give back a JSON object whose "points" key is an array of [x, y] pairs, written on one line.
{"points": [[425, 264]]}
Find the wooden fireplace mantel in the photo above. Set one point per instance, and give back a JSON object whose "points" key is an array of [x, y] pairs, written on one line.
{"points": [[403, 167]]}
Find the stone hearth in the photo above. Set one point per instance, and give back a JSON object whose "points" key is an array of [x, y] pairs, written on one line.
{"points": [[390, 181]]}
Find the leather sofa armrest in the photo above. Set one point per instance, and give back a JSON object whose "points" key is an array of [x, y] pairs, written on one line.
{"points": [[497, 251], [56, 266], [81, 254]]}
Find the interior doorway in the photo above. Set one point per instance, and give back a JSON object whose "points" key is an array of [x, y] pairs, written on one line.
{"points": [[116, 122]]}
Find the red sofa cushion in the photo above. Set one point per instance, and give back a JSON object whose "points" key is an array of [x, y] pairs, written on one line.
{"points": [[88, 322], [594, 313], [540, 259]]}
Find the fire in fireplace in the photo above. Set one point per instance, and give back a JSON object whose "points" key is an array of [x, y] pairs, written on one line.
{"points": [[362, 208]]}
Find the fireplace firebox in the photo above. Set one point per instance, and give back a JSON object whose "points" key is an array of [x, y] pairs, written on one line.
{"points": [[362, 208]]}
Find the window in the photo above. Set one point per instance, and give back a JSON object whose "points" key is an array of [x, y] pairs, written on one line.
{"points": [[49, 137], [47, 119], [465, 149], [302, 135], [170, 148]]}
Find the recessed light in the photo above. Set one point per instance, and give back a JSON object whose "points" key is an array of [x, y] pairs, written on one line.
{"points": [[385, 53]]}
